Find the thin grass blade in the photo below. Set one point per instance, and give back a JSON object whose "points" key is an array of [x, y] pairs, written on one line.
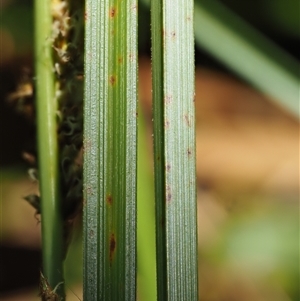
{"points": [[110, 131], [174, 148]]}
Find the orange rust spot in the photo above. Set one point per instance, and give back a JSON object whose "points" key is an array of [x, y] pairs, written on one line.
{"points": [[120, 60], [112, 80], [112, 247], [112, 12], [109, 199]]}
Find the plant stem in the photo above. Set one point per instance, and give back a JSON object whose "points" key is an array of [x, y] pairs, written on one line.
{"points": [[48, 149]]}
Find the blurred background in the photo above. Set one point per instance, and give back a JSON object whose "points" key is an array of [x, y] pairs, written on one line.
{"points": [[247, 167]]}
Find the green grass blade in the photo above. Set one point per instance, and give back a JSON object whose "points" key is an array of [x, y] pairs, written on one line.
{"points": [[110, 114], [48, 148], [174, 149], [247, 52]]}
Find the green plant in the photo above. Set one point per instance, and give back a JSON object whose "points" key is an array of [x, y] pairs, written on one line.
{"points": [[174, 149], [59, 67], [110, 136], [110, 150], [48, 147]]}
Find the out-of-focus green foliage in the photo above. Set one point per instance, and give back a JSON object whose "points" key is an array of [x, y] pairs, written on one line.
{"points": [[282, 15], [277, 16], [260, 245]]}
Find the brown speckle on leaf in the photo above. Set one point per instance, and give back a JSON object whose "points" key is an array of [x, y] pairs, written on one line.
{"points": [[112, 80], [112, 12], [109, 199], [187, 120], [169, 197], [112, 247], [168, 167], [168, 194], [131, 57], [189, 152]]}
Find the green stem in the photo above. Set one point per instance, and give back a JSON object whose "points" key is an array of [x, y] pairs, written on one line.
{"points": [[48, 149]]}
